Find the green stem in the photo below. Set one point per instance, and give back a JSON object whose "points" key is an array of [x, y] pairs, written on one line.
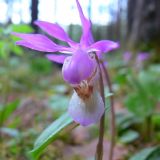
{"points": [[147, 129]]}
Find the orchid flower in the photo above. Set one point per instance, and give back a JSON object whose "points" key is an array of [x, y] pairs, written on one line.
{"points": [[79, 65]]}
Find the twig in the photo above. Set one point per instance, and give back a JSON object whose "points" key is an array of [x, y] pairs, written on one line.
{"points": [[112, 120], [99, 150]]}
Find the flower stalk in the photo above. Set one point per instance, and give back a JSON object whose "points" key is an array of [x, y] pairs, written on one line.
{"points": [[112, 118], [99, 150]]}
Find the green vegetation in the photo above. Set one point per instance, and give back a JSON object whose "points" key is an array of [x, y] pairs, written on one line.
{"points": [[33, 95]]}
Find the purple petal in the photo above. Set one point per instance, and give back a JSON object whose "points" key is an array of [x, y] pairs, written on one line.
{"points": [[34, 47], [78, 67], [66, 50], [103, 46], [37, 42], [127, 56], [87, 37], [86, 112], [55, 30], [57, 58], [41, 43], [142, 56]]}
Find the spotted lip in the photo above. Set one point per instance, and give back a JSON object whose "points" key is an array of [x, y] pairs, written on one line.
{"points": [[84, 92], [85, 89]]}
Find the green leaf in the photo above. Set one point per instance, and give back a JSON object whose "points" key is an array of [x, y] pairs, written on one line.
{"points": [[22, 28], [58, 105], [51, 133], [10, 131], [60, 89], [17, 50], [126, 120], [146, 154], [7, 110], [129, 136], [107, 99], [139, 104], [107, 95]]}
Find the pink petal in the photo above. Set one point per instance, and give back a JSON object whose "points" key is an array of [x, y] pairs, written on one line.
{"points": [[41, 43], [55, 30], [56, 58], [103, 46], [66, 50], [87, 37], [86, 112], [34, 47], [142, 56], [127, 56], [78, 67], [37, 42]]}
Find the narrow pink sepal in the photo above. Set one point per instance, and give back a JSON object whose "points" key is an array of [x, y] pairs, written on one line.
{"points": [[57, 58], [86, 38], [37, 42], [55, 30], [103, 46]]}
